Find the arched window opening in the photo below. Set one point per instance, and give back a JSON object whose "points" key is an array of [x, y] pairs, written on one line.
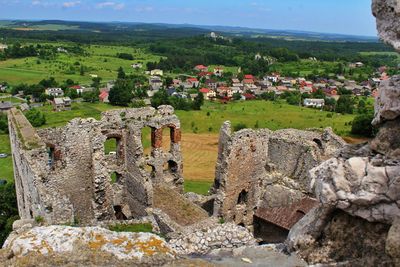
{"points": [[147, 136], [242, 199], [172, 166]]}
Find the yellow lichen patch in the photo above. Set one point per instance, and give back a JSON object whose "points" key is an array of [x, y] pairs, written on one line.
{"points": [[98, 243], [119, 241], [46, 245], [151, 246]]}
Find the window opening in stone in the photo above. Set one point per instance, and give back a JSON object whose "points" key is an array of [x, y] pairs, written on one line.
{"points": [[146, 138], [119, 215], [242, 199], [318, 142], [172, 166], [115, 177], [50, 153], [111, 147], [166, 139]]}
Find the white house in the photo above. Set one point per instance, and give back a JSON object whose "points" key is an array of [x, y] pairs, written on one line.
{"points": [[56, 92], [156, 72], [313, 102], [137, 66]]}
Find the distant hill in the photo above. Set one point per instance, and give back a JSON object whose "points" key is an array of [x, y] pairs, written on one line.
{"points": [[161, 30]]}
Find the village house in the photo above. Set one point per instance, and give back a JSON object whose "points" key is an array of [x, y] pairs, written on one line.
{"points": [[56, 92], [248, 81], [61, 103], [350, 83], [3, 47], [210, 83], [218, 71], [24, 107], [236, 90], [176, 82], [286, 83], [137, 66], [313, 102], [208, 93], [155, 83], [3, 88], [224, 92], [192, 82], [274, 77], [206, 74], [156, 72], [103, 97], [201, 68], [250, 87], [4, 106]]}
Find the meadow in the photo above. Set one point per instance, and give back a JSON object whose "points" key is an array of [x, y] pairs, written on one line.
{"points": [[200, 130], [100, 60]]}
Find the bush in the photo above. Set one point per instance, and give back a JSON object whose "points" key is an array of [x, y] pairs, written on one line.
{"points": [[361, 125], [239, 126], [35, 117], [9, 210]]}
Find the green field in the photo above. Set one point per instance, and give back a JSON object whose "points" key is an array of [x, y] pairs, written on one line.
{"points": [[303, 67], [100, 60], [267, 114], [382, 54]]}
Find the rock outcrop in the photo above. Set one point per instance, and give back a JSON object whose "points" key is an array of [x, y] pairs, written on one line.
{"points": [[88, 245], [359, 190]]}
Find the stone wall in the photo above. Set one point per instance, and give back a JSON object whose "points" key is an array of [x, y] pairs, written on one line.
{"points": [[262, 168], [69, 165]]}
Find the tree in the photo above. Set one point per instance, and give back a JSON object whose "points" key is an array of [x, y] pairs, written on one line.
{"points": [[362, 125], [35, 117], [8, 210], [345, 104], [121, 73], [91, 96], [237, 96], [96, 82], [121, 93], [160, 98], [198, 101]]}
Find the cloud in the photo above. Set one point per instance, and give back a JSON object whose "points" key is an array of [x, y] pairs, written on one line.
{"points": [[113, 5], [71, 4], [41, 3]]}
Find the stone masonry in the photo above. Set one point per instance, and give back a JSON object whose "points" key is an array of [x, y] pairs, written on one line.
{"points": [[266, 169], [64, 175]]}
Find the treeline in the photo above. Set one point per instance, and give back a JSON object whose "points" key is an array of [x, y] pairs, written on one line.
{"points": [[17, 50]]}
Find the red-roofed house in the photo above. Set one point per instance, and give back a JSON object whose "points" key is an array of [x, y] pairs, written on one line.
{"points": [[208, 94], [193, 82], [249, 96], [103, 97], [201, 68], [249, 76], [248, 81], [224, 91]]}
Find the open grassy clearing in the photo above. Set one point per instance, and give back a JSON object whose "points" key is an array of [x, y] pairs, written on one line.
{"points": [[382, 54], [303, 67], [272, 115], [101, 60]]}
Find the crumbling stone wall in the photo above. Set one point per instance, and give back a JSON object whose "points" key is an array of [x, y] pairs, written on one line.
{"points": [[262, 168], [70, 166]]}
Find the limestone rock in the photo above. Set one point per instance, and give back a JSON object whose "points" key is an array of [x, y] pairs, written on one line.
{"points": [[359, 187], [393, 240], [387, 104], [387, 13], [60, 240]]}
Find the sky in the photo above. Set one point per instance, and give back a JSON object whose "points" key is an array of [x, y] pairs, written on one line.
{"points": [[328, 16]]}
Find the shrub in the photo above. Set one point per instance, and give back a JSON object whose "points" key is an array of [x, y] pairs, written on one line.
{"points": [[361, 125], [239, 126], [35, 117]]}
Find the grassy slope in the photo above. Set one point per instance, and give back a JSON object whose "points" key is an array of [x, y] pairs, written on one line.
{"points": [[101, 61]]}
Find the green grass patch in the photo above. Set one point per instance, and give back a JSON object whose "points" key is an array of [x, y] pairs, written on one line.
{"points": [[135, 228], [198, 187], [6, 167], [261, 114]]}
